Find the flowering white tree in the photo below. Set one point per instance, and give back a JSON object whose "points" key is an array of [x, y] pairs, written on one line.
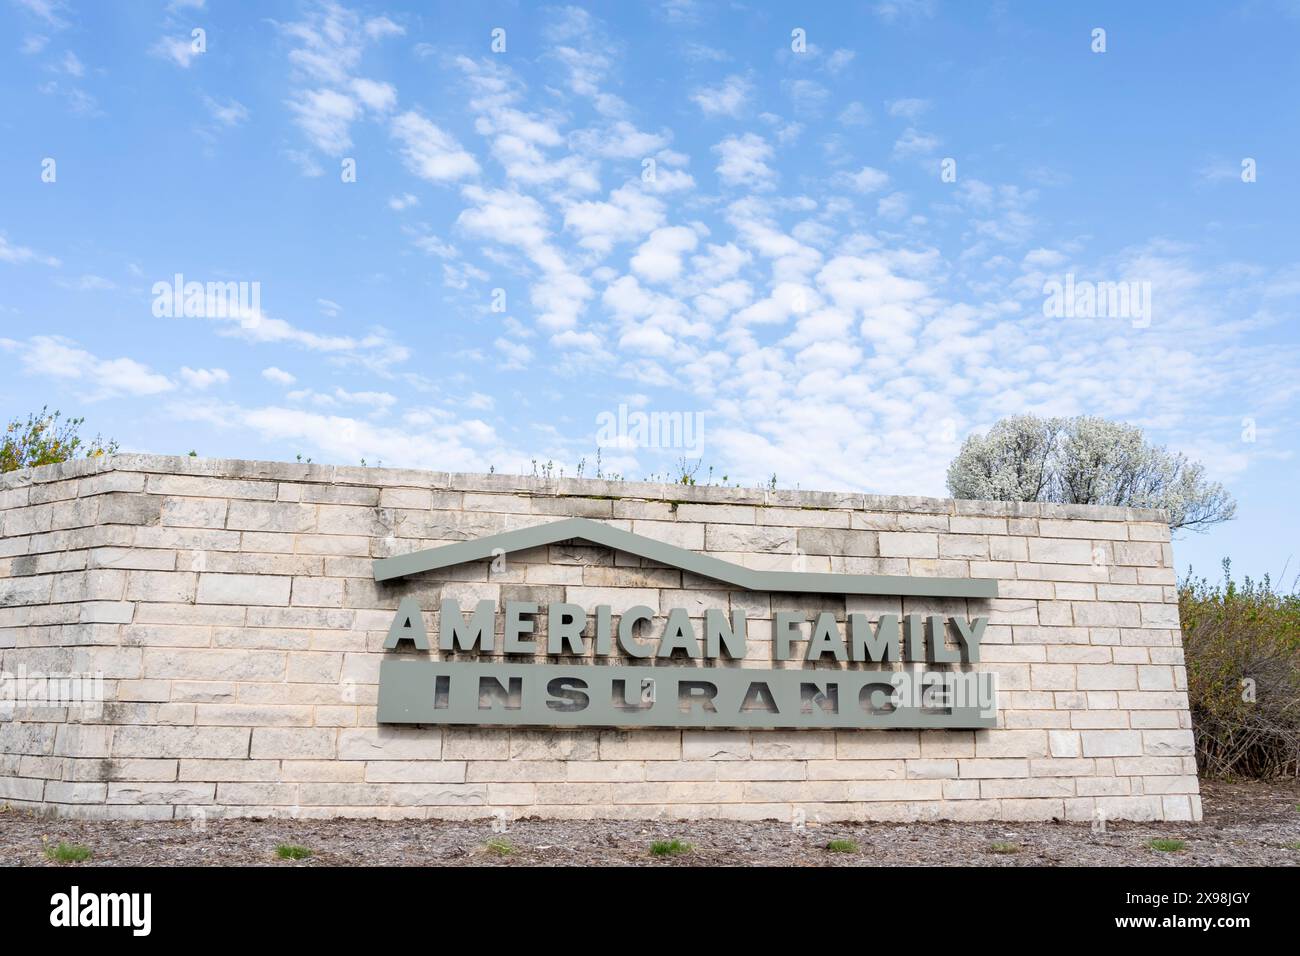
{"points": [[1087, 461]]}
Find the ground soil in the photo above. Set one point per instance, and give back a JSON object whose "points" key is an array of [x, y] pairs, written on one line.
{"points": [[1245, 824]]}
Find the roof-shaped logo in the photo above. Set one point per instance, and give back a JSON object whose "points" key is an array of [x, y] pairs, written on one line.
{"points": [[726, 572]]}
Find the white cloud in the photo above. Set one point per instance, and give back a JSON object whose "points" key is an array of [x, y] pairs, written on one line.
{"points": [[908, 11], [516, 328], [808, 95], [329, 43], [786, 132], [521, 141], [587, 53], [404, 201], [627, 299], [628, 215], [730, 98], [915, 143], [717, 302], [376, 350], [559, 299], [910, 109], [998, 214], [326, 117], [868, 179], [380, 97], [1220, 171], [839, 60], [202, 378], [680, 11], [855, 114], [719, 263], [380, 27], [89, 283], [431, 153], [516, 354], [17, 254], [433, 440], [893, 206], [1044, 259], [228, 113], [573, 341], [52, 356], [179, 51], [278, 376], [435, 246], [648, 339], [620, 140], [377, 402], [511, 218], [668, 180], [787, 299], [659, 258], [80, 103], [329, 96], [742, 161], [698, 52], [791, 259], [50, 11], [305, 162]]}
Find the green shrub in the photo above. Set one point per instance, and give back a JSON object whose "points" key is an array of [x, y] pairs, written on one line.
{"points": [[669, 848], [1242, 644], [67, 853], [1168, 846], [1003, 847], [842, 846], [499, 847], [288, 851], [45, 440]]}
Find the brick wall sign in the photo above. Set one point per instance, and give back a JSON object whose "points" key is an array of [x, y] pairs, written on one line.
{"points": [[187, 638], [424, 691]]}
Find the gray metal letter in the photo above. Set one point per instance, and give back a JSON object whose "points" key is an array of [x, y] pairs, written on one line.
{"points": [[408, 625], [604, 630], [971, 634], [719, 637], [564, 626], [570, 694], [826, 639], [692, 692], [939, 652], [785, 628], [453, 633], [678, 635], [914, 633], [882, 646], [516, 625], [627, 626]]}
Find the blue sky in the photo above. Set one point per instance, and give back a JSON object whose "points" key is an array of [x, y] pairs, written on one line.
{"points": [[683, 212]]}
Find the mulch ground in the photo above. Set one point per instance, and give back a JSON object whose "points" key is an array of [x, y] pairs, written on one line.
{"points": [[1245, 824]]}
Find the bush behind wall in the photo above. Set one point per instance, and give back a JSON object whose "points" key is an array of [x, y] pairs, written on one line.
{"points": [[1242, 644]]}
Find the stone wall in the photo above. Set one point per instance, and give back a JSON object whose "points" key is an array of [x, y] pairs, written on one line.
{"points": [[231, 609]]}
